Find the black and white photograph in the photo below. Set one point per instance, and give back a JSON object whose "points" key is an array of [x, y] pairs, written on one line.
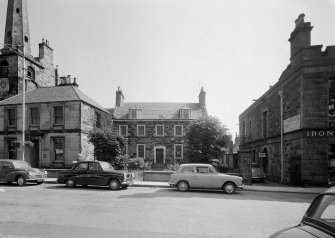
{"points": [[167, 118]]}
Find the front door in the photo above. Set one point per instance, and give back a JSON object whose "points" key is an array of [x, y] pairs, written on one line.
{"points": [[159, 156]]}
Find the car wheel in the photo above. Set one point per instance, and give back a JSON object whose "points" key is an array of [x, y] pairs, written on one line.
{"points": [[114, 184], [70, 183], [183, 186], [39, 182], [229, 188], [21, 181], [262, 180]]}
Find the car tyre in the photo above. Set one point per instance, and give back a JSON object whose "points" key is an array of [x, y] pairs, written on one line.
{"points": [[229, 187], [183, 186], [70, 183], [114, 184], [39, 183], [21, 181], [261, 180]]}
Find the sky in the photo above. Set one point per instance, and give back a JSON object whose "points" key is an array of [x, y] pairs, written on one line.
{"points": [[166, 50]]}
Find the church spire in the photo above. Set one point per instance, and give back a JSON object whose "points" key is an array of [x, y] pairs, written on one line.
{"points": [[17, 25]]}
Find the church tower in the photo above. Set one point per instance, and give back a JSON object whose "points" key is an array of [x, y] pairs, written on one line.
{"points": [[16, 61], [17, 25]]}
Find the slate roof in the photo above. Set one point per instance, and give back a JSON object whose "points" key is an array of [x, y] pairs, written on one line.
{"points": [[158, 110], [52, 94]]}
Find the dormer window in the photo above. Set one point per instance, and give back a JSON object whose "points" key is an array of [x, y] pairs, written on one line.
{"points": [[135, 113], [185, 113]]}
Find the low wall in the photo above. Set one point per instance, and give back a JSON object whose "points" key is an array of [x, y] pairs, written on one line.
{"points": [[161, 176]]}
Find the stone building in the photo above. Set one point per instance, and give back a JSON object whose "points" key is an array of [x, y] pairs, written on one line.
{"points": [[302, 103], [58, 120], [156, 132], [58, 115], [16, 55]]}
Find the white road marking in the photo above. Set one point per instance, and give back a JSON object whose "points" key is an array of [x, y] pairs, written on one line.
{"points": [[2, 190]]}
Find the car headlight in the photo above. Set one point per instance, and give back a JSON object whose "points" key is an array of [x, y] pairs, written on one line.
{"points": [[30, 173]]}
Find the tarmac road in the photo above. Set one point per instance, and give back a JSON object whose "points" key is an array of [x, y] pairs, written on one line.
{"points": [[52, 210]]}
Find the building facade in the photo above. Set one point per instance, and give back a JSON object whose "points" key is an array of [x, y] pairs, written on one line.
{"points": [[290, 130], [58, 121], [156, 132]]}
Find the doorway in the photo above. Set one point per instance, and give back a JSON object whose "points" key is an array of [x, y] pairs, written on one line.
{"points": [[33, 154]]}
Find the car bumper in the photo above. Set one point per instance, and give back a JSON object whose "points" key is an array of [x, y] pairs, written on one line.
{"points": [[127, 182], [241, 187]]}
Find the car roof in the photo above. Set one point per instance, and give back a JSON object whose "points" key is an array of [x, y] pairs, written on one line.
{"points": [[9, 160], [195, 164], [330, 190]]}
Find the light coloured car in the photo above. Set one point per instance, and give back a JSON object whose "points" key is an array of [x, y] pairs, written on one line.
{"points": [[204, 176]]}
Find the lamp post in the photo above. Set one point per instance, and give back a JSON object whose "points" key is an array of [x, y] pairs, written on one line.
{"points": [[23, 94], [281, 133]]}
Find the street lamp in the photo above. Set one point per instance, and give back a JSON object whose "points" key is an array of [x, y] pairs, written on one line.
{"points": [[23, 94], [281, 95]]}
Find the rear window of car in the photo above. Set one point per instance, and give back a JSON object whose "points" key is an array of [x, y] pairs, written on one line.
{"points": [[188, 170], [323, 210], [94, 166], [202, 170]]}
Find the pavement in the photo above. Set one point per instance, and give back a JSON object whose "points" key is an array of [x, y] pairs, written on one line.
{"points": [[267, 186]]}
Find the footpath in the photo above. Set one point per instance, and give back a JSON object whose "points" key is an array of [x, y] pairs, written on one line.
{"points": [[267, 186]]}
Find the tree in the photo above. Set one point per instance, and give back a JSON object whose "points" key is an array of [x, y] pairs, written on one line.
{"points": [[207, 137], [108, 145]]}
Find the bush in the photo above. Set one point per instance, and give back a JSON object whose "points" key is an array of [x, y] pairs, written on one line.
{"points": [[136, 163]]}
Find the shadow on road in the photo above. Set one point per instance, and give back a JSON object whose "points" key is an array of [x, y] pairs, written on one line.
{"points": [[82, 188], [214, 194]]}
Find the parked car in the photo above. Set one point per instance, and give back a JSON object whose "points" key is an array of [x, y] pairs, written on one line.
{"points": [[205, 176], [98, 173], [318, 221], [21, 172], [257, 173]]}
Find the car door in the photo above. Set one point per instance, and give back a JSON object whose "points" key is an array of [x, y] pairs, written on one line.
{"points": [[95, 175], [187, 174], [205, 177], [81, 173]]}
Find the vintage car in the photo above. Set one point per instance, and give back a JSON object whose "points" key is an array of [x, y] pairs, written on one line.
{"points": [[21, 172], [318, 221], [98, 173], [257, 173], [204, 176]]}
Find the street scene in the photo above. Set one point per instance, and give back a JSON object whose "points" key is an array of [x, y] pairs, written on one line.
{"points": [[57, 211], [169, 118]]}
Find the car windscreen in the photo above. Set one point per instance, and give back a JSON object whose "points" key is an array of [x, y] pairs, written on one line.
{"points": [[21, 164], [106, 166], [323, 210]]}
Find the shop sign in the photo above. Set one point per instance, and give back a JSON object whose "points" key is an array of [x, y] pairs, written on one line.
{"points": [[292, 124], [320, 133]]}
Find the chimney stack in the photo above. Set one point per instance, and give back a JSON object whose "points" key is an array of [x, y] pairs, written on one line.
{"points": [[119, 98], [301, 36]]}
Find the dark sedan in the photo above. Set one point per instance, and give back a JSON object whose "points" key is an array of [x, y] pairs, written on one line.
{"points": [[20, 172], [319, 220], [97, 173]]}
